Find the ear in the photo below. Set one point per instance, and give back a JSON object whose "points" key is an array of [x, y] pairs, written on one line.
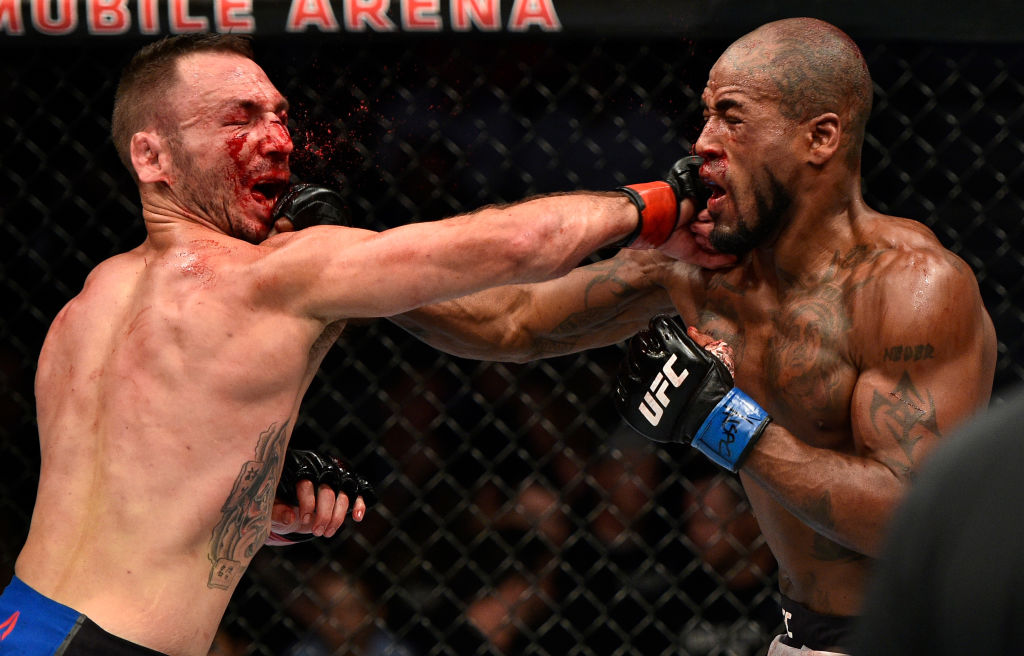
{"points": [[149, 157], [823, 136]]}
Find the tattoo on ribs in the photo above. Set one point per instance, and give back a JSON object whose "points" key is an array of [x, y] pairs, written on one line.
{"points": [[824, 549], [829, 551], [245, 516], [904, 414]]}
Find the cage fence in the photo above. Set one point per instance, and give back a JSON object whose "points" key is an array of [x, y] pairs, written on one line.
{"points": [[517, 514]]}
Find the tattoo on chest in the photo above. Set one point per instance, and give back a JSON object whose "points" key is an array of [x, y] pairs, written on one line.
{"points": [[906, 415], [828, 551], [804, 362], [245, 516]]}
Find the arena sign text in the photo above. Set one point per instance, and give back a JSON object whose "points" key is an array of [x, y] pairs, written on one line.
{"points": [[154, 17]]}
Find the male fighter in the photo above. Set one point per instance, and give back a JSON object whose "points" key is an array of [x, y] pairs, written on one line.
{"points": [[858, 341], [167, 390]]}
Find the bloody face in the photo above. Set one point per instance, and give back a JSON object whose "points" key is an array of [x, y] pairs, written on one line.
{"points": [[747, 147], [230, 145]]}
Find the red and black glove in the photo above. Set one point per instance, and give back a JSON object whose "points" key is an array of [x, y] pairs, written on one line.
{"points": [[658, 203]]}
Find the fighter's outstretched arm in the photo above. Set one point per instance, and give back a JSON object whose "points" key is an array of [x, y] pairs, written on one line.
{"points": [[331, 273], [595, 305]]}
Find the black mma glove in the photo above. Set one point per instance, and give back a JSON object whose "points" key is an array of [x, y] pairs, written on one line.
{"points": [[308, 205], [301, 465], [658, 203], [670, 389]]}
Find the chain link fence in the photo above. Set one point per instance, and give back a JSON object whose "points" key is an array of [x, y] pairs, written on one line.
{"points": [[517, 516]]}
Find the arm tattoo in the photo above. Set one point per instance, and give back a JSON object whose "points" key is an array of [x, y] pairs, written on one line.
{"points": [[245, 516], [565, 336], [908, 353], [904, 414], [607, 273]]}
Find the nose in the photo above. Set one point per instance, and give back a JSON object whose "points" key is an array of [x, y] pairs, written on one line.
{"points": [[708, 145], [277, 140]]}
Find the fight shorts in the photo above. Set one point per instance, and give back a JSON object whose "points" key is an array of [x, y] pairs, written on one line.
{"points": [[809, 633], [34, 625]]}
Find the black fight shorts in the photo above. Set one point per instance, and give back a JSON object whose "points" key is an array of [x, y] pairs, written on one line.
{"points": [[805, 628]]}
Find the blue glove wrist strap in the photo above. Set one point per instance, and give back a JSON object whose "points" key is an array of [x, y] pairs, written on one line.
{"points": [[731, 429]]}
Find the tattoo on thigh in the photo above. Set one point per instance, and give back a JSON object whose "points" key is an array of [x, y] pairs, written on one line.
{"points": [[245, 516]]}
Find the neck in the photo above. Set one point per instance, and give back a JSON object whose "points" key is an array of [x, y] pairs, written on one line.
{"points": [[165, 215], [818, 226]]}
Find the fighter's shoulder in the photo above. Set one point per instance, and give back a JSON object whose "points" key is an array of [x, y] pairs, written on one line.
{"points": [[110, 281], [295, 248], [910, 280], [906, 253]]}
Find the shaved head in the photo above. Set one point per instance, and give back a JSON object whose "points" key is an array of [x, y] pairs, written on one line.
{"points": [[811, 67]]}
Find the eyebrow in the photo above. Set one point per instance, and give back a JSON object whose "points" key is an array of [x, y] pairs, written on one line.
{"points": [[251, 105], [724, 105]]}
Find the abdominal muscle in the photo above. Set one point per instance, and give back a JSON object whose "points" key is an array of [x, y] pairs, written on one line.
{"points": [[813, 570]]}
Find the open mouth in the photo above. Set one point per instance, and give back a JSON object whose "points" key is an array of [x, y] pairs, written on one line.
{"points": [[268, 192]]}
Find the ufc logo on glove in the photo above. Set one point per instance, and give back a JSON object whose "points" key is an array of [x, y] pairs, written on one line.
{"points": [[653, 406], [694, 403]]}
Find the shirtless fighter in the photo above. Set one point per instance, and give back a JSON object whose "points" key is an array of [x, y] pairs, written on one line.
{"points": [[858, 341], [167, 390]]}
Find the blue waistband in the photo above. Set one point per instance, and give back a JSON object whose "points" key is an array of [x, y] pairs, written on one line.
{"points": [[31, 623]]}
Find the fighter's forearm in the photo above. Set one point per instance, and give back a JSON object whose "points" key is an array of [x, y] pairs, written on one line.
{"points": [[845, 498], [593, 306]]}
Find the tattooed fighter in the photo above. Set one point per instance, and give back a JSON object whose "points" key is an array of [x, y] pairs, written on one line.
{"points": [[858, 341], [168, 388]]}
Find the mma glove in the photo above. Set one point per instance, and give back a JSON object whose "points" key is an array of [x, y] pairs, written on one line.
{"points": [[307, 205], [670, 389], [658, 203], [301, 465]]}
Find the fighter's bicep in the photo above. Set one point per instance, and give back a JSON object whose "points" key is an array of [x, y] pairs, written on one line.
{"points": [[894, 417], [302, 270], [915, 390], [927, 362], [333, 273]]}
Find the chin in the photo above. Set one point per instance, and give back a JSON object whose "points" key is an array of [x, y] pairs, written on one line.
{"points": [[252, 230]]}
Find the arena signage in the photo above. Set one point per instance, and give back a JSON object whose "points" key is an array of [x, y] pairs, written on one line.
{"points": [[154, 17], [35, 21]]}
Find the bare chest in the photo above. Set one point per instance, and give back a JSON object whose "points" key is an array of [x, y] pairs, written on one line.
{"points": [[792, 356]]}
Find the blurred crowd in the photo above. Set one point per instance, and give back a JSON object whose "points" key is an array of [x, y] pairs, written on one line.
{"points": [[518, 516]]}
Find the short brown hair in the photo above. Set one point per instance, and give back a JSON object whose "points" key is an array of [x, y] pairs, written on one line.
{"points": [[142, 90]]}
